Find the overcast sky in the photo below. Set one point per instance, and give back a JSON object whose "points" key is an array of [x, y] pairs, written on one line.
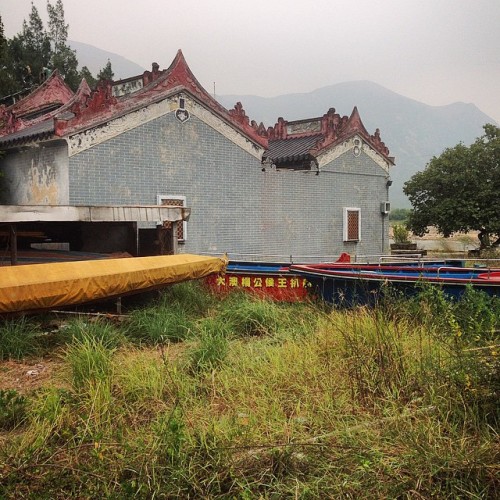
{"points": [[434, 51]]}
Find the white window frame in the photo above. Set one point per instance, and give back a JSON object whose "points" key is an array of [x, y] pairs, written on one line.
{"points": [[346, 229], [161, 197]]}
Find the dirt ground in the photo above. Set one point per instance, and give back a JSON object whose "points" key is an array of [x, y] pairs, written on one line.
{"points": [[30, 374], [27, 375]]}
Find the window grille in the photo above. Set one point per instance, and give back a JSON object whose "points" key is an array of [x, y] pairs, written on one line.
{"points": [[352, 224], [175, 201]]}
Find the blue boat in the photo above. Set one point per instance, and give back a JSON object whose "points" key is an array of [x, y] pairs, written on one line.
{"points": [[364, 284]]}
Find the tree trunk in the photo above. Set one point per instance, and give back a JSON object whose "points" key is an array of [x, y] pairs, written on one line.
{"points": [[484, 238]]}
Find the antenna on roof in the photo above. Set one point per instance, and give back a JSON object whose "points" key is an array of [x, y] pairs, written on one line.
{"points": [[214, 90]]}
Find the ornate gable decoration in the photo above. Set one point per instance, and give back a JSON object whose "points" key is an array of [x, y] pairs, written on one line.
{"points": [[112, 100], [334, 135], [181, 113]]}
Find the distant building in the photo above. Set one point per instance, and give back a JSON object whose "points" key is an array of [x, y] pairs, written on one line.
{"points": [[308, 188]]}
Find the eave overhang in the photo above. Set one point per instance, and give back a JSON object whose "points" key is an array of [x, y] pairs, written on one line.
{"points": [[92, 213]]}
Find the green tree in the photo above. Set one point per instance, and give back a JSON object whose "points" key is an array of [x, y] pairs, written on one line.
{"points": [[8, 83], [29, 52], [89, 78], [458, 190], [106, 73], [62, 56], [32, 54], [399, 214], [58, 29]]}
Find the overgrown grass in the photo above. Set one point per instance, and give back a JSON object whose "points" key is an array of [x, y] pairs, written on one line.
{"points": [[12, 409], [266, 400], [80, 329], [171, 318], [211, 345], [159, 325], [89, 359], [250, 316], [19, 337]]}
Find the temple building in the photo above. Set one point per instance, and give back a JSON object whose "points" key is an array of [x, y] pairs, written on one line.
{"points": [[154, 164]]}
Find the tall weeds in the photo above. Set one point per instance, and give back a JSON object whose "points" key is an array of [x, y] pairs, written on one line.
{"points": [[19, 337], [265, 400], [82, 329], [171, 318]]}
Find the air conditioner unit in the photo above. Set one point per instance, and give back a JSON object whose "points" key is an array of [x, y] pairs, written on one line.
{"points": [[385, 207]]}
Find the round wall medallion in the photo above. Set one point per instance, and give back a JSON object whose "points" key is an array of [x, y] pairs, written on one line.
{"points": [[182, 115]]}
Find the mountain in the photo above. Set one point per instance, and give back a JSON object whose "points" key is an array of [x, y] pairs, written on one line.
{"points": [[414, 132], [95, 59]]}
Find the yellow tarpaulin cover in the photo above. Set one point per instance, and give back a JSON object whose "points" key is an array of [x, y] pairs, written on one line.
{"points": [[42, 286]]}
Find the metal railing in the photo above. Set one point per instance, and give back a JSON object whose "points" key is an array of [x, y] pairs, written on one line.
{"points": [[356, 259]]}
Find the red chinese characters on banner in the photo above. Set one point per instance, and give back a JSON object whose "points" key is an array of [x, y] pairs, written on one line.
{"points": [[290, 288]]}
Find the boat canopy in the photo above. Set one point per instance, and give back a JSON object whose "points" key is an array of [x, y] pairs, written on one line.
{"points": [[44, 286]]}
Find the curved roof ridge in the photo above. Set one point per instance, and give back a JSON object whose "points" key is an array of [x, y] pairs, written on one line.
{"points": [[50, 96], [53, 90], [102, 105]]}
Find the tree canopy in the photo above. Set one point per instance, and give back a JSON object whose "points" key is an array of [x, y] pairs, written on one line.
{"points": [[106, 73], [27, 53], [458, 190], [31, 55], [62, 56]]}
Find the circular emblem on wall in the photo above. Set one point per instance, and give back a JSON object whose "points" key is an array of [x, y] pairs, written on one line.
{"points": [[182, 115], [357, 147]]}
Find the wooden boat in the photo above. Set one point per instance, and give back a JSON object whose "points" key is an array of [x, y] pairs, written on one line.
{"points": [[46, 286], [277, 280], [355, 284]]}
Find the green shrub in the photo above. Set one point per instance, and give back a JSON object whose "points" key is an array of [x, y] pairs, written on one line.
{"points": [[400, 233], [477, 316]]}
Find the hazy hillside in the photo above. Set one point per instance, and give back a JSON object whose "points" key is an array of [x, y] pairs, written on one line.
{"points": [[95, 59], [413, 131]]}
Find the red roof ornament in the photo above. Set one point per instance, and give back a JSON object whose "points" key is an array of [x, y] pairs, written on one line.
{"points": [[324, 131], [41, 104], [67, 113], [101, 106]]}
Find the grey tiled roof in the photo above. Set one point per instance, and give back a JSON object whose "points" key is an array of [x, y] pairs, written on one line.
{"points": [[40, 129], [292, 149]]}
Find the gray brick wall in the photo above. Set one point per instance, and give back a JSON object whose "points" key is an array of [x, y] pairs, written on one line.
{"points": [[236, 207]]}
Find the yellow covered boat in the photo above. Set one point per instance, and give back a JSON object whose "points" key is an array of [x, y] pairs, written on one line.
{"points": [[45, 286]]}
